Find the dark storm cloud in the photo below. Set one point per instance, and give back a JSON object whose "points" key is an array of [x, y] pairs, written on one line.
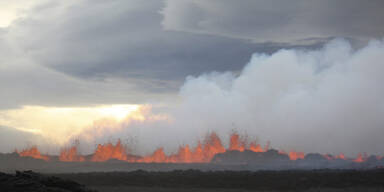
{"points": [[92, 52], [115, 39], [277, 20]]}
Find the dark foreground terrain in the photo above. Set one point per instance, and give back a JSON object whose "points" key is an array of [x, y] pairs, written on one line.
{"points": [[195, 180], [34, 182]]}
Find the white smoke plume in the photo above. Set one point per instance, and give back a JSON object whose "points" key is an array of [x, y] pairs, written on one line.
{"points": [[329, 100]]}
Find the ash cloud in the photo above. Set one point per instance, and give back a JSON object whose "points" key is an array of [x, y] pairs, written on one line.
{"points": [[266, 21], [328, 100], [86, 53]]}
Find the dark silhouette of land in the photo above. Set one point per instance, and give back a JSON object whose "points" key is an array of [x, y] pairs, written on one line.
{"points": [[196, 180], [229, 171], [259, 180], [34, 182]]}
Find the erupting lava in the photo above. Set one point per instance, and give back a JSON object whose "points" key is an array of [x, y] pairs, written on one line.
{"points": [[34, 153], [70, 155], [293, 155], [110, 151], [341, 156], [236, 143], [361, 158], [202, 153]]}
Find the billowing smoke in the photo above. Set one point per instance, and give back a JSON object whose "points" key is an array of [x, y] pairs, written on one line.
{"points": [[326, 100]]}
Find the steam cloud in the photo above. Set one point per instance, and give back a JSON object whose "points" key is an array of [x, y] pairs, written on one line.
{"points": [[327, 100]]}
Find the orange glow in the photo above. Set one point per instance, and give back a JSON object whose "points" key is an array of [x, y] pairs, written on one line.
{"points": [[185, 155], [212, 146], [70, 155], [203, 152], [255, 147], [109, 151], [236, 143], [341, 156], [200, 154], [293, 155], [157, 157], [360, 158], [34, 153]]}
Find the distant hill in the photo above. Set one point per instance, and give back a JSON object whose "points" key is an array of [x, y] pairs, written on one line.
{"points": [[273, 160]]}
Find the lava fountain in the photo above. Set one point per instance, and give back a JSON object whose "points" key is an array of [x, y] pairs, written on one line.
{"points": [[203, 152]]}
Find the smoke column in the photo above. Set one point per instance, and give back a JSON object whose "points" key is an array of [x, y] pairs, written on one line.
{"points": [[326, 100]]}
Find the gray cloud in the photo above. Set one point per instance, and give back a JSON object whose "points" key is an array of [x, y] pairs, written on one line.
{"points": [[277, 20], [87, 52], [88, 41]]}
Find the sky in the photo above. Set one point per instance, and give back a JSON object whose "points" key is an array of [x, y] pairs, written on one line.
{"points": [[303, 74]]}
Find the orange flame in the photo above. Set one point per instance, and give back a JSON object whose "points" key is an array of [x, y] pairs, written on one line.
{"points": [[255, 147], [293, 155], [360, 158], [109, 151], [34, 153], [236, 143], [203, 152], [212, 146], [185, 155], [70, 155], [341, 156], [158, 156]]}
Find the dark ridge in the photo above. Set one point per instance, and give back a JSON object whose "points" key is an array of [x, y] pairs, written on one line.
{"points": [[34, 182], [273, 160], [314, 157], [291, 180], [250, 157]]}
